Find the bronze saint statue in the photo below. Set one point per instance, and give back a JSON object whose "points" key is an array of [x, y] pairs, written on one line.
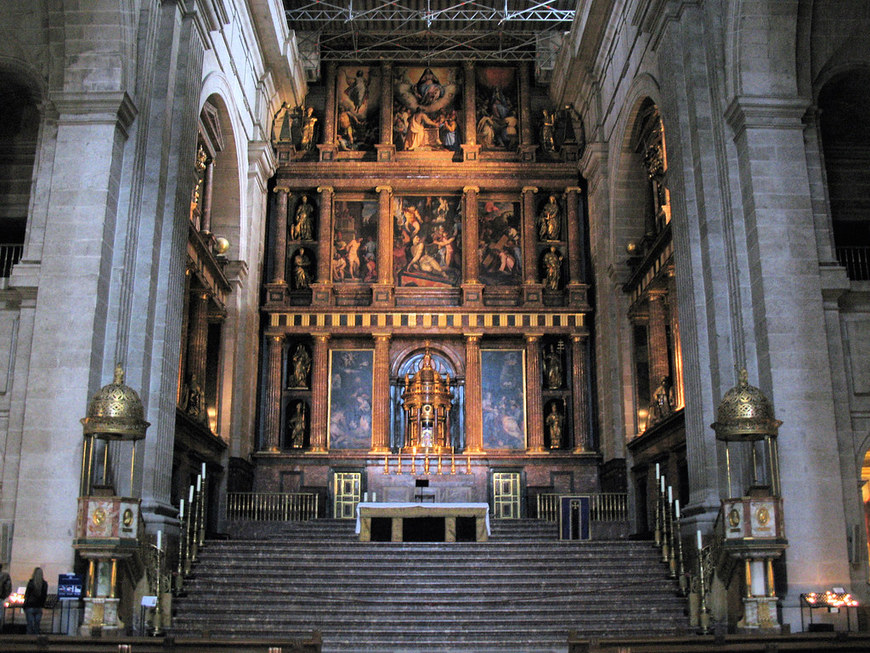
{"points": [[549, 224], [302, 226], [552, 269], [301, 367], [554, 426], [553, 368], [296, 426], [301, 270]]}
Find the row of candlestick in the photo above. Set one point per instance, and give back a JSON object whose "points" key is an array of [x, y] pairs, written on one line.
{"points": [[191, 517], [668, 538], [426, 464]]}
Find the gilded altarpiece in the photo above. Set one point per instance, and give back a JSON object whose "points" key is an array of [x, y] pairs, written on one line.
{"points": [[427, 108], [503, 398], [427, 248], [358, 92], [500, 245], [350, 398], [355, 241]]}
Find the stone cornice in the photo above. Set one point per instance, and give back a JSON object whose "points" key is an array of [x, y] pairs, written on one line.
{"points": [[754, 112], [95, 108]]}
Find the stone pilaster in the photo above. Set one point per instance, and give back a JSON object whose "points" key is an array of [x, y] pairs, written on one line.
{"points": [[473, 398], [532, 292], [580, 394], [328, 147], [382, 292], [526, 148], [472, 289], [322, 287], [576, 275], [320, 390], [470, 148], [534, 401], [386, 148], [381, 394], [272, 411]]}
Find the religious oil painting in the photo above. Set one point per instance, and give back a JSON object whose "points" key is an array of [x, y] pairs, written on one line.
{"points": [[355, 241], [503, 398], [427, 111], [497, 114], [358, 93], [427, 246], [350, 398], [500, 243]]}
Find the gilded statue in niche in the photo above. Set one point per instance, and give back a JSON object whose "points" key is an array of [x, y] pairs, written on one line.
{"points": [[303, 221], [358, 93], [553, 424], [497, 115], [552, 262], [553, 376], [427, 248], [355, 241], [426, 109], [296, 422], [549, 220], [300, 364], [295, 126], [499, 249], [301, 269]]}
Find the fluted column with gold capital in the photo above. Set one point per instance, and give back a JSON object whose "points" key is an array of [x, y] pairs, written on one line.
{"points": [[272, 418], [470, 148], [532, 291], [473, 398], [382, 293], [472, 289], [381, 394], [576, 275], [321, 289], [319, 391], [580, 395], [535, 420]]}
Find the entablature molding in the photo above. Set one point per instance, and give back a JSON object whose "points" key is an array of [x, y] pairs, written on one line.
{"points": [[95, 108], [755, 112]]}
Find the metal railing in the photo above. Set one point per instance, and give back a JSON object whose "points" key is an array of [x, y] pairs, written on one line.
{"points": [[856, 260], [271, 506], [10, 254], [604, 507]]}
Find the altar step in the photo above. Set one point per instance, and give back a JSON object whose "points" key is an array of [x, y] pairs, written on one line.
{"points": [[517, 592]]}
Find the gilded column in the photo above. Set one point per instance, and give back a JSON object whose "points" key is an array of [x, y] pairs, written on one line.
{"points": [[471, 287], [279, 236], [272, 418], [470, 148], [319, 391], [328, 147], [576, 275], [381, 395], [526, 148], [535, 419], [473, 399], [382, 293], [321, 294], [197, 337], [579, 393], [531, 288], [386, 149]]}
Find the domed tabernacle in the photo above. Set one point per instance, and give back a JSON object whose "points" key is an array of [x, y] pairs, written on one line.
{"points": [[745, 414], [115, 412]]}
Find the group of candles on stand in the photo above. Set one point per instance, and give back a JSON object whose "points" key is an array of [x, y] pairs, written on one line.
{"points": [[668, 538], [426, 463]]}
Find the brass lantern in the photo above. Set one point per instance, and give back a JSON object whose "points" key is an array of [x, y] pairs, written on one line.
{"points": [[426, 401]]}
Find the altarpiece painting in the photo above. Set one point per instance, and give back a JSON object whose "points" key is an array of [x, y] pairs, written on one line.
{"points": [[355, 241], [350, 398], [358, 92], [497, 101], [500, 246], [427, 250], [427, 112], [503, 398]]}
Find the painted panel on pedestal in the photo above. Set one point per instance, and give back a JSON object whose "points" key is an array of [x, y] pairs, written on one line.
{"points": [[358, 96], [503, 398], [427, 246], [350, 398], [355, 242], [427, 109], [500, 246], [497, 101]]}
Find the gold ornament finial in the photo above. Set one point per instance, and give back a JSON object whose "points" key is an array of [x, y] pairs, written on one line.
{"points": [[119, 374], [743, 377]]}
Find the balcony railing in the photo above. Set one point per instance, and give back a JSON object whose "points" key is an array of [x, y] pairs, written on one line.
{"points": [[605, 507], [856, 260], [10, 254], [271, 506]]}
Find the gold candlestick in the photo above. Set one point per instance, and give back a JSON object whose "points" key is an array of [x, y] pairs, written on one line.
{"points": [[439, 463], [386, 465], [414, 463], [452, 462], [468, 464], [426, 462], [399, 467]]}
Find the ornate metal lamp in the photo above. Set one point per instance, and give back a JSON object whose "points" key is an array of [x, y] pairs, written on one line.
{"points": [[426, 400], [108, 526], [751, 523]]}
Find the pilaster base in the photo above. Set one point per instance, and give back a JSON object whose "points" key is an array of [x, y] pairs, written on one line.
{"points": [[578, 294], [527, 153], [470, 152], [532, 294], [472, 294], [759, 615], [276, 293], [321, 294], [101, 618], [327, 151], [386, 152], [382, 295]]}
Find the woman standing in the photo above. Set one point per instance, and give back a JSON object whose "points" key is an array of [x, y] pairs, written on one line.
{"points": [[34, 601]]}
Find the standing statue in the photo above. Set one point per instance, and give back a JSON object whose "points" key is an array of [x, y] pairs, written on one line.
{"points": [[552, 269], [553, 423], [662, 402], [301, 270], [553, 368], [296, 427], [301, 367], [193, 400], [549, 224], [548, 132], [309, 123], [302, 226]]}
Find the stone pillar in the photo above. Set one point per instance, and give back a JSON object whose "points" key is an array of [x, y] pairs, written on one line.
{"points": [[580, 394], [382, 293], [386, 148], [532, 293], [197, 337], [328, 147], [526, 148], [319, 391], [473, 399], [472, 289], [206, 196], [381, 394], [272, 412], [535, 418], [576, 275], [470, 148], [321, 289], [279, 236]]}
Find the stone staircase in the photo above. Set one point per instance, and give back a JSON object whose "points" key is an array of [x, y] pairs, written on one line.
{"points": [[522, 591]]}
